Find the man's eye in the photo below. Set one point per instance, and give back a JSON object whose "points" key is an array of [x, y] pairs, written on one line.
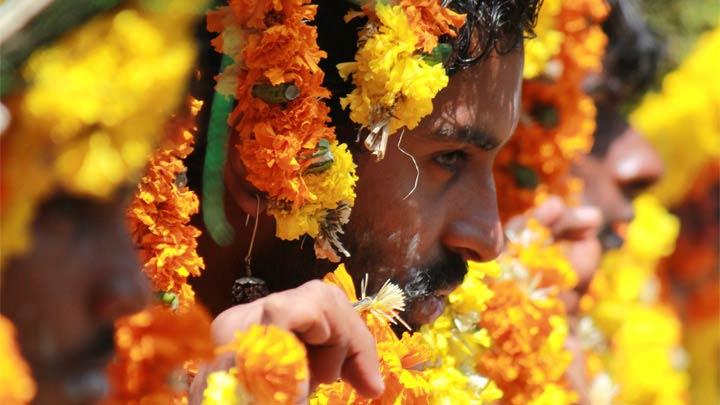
{"points": [[451, 160]]}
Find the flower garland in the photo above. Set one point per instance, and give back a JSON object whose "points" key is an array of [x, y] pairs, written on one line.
{"points": [[558, 117], [638, 336], [394, 81], [91, 107], [160, 211], [288, 150], [681, 120], [682, 124], [17, 385]]}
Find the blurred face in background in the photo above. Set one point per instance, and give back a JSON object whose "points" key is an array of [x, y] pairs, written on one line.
{"points": [[64, 295]]}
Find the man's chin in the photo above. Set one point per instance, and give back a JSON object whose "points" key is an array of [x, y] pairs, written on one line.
{"points": [[425, 310]]}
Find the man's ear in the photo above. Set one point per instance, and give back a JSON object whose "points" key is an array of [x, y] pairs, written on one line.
{"points": [[240, 191]]}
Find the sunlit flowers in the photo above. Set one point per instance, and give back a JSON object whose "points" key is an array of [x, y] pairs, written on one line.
{"points": [[270, 365], [394, 85], [283, 142]]}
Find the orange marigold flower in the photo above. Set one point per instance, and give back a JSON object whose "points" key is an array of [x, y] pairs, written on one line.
{"points": [[16, 384], [430, 20], [271, 363], [528, 336], [584, 45], [151, 349]]}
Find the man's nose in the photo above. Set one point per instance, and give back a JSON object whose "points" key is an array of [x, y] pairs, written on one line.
{"points": [[476, 232], [121, 287], [634, 163]]}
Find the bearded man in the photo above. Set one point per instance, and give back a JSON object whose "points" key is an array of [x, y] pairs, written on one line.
{"points": [[419, 236]]}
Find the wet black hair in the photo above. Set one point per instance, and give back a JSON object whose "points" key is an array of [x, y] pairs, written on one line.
{"points": [[492, 26]]}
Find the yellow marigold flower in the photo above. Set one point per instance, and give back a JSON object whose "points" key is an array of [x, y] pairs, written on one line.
{"points": [[546, 45], [681, 120], [391, 81], [16, 384], [271, 364], [329, 188], [222, 389]]}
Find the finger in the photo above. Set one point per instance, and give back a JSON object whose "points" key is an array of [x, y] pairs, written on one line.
{"points": [[578, 223], [549, 211], [237, 318]]}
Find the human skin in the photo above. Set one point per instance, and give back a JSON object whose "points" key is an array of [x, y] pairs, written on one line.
{"points": [[64, 295], [621, 165], [420, 242]]}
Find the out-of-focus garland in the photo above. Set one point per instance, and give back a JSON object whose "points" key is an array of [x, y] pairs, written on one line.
{"points": [[91, 114], [633, 335], [682, 123], [558, 117]]}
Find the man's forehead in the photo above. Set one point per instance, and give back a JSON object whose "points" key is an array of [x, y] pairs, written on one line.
{"points": [[481, 103]]}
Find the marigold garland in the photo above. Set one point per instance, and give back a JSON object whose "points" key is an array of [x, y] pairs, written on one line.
{"points": [[16, 383], [642, 350], [285, 145], [681, 120], [394, 83], [558, 117], [152, 348], [160, 212], [92, 108]]}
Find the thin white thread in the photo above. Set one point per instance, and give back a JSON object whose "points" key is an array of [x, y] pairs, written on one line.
{"points": [[248, 257], [417, 168]]}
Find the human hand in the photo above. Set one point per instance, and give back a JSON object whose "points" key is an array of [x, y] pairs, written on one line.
{"points": [[338, 343]]}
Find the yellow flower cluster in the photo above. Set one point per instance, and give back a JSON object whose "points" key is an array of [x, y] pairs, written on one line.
{"points": [[94, 106], [643, 354], [682, 120], [546, 45], [329, 189], [394, 84], [16, 384], [456, 339]]}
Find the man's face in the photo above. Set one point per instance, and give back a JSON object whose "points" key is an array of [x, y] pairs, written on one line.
{"points": [[422, 238], [621, 165], [64, 295]]}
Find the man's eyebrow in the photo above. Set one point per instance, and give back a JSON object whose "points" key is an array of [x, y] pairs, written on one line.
{"points": [[472, 136]]}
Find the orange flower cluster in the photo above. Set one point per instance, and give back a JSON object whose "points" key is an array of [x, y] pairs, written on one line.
{"points": [[152, 348], [16, 384], [527, 353], [558, 117], [278, 47], [160, 212], [430, 20]]}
